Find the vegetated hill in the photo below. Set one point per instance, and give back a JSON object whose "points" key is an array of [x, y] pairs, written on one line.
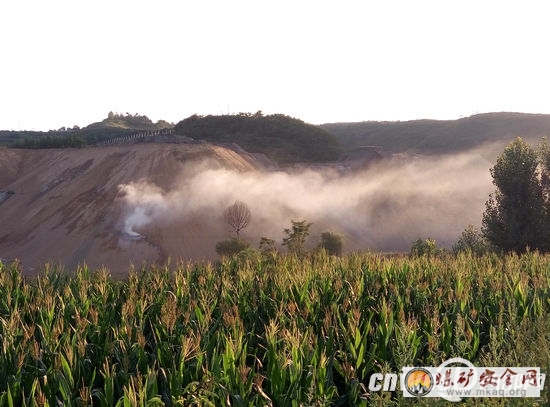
{"points": [[66, 205], [442, 136], [115, 125], [282, 138], [62, 138]]}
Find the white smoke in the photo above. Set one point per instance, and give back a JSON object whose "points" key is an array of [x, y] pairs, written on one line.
{"points": [[146, 203], [385, 207]]}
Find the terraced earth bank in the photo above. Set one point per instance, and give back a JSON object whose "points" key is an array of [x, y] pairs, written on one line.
{"points": [[67, 207]]}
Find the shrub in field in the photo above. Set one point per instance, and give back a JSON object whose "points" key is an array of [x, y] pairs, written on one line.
{"points": [[267, 246], [230, 247], [332, 243], [426, 247], [471, 240], [296, 237], [250, 255]]}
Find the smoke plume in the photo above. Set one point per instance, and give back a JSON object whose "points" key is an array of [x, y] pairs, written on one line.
{"points": [[385, 207]]}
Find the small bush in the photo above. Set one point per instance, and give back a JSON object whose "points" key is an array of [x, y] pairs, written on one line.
{"points": [[230, 247], [426, 247], [472, 241], [267, 246], [250, 255], [332, 243]]}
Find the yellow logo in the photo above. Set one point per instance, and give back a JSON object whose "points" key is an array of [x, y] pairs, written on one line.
{"points": [[419, 382]]}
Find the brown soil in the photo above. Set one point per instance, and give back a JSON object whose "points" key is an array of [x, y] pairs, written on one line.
{"points": [[65, 207]]}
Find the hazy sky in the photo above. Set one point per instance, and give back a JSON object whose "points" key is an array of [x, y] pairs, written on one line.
{"points": [[71, 62]]}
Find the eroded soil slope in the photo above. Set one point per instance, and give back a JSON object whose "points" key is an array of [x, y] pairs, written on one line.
{"points": [[65, 206]]}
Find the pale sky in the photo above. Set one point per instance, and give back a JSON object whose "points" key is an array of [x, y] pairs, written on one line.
{"points": [[71, 62]]}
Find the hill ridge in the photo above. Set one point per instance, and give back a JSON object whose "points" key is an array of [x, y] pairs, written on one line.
{"points": [[428, 136]]}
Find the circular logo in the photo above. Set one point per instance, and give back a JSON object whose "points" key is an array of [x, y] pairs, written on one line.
{"points": [[419, 382], [459, 361]]}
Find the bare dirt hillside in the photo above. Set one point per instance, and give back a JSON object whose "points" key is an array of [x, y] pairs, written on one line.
{"points": [[66, 206]]}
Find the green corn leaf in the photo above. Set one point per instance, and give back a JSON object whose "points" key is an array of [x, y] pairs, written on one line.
{"points": [[67, 371], [9, 398]]}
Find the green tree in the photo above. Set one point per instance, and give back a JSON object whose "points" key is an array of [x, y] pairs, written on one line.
{"points": [[514, 218], [296, 237], [471, 240], [426, 247], [332, 243]]}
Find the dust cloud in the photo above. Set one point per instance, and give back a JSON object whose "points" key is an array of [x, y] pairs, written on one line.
{"points": [[385, 207]]}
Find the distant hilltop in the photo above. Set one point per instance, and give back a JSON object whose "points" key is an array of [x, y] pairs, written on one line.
{"points": [[442, 136], [115, 125], [283, 139], [288, 141]]}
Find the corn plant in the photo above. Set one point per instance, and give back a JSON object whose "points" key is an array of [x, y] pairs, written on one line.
{"points": [[264, 329]]}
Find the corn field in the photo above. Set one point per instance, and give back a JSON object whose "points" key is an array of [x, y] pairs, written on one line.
{"points": [[266, 331]]}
